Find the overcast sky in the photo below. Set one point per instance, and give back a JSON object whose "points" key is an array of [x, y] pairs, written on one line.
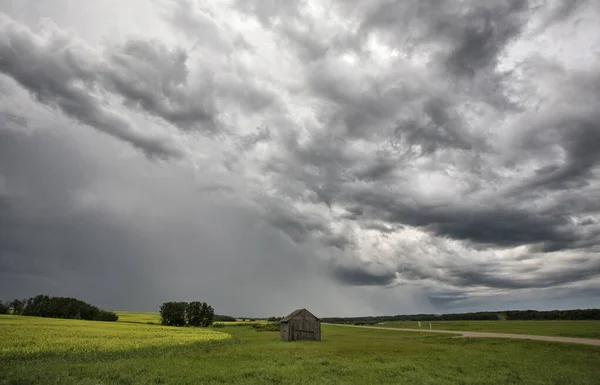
{"points": [[353, 157]]}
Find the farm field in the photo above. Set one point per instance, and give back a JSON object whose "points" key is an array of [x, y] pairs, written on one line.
{"points": [[582, 329], [154, 318], [136, 317], [52, 351], [31, 338]]}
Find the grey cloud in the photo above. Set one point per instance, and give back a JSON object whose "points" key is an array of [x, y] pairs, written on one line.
{"points": [[482, 35], [402, 116], [431, 167], [442, 299], [127, 257], [469, 35], [379, 226], [154, 77], [468, 278], [580, 143], [200, 26], [61, 76], [438, 129], [303, 227], [503, 226], [506, 276], [560, 12], [361, 277], [269, 11]]}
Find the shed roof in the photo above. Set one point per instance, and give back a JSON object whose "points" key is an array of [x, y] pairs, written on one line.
{"points": [[295, 313]]}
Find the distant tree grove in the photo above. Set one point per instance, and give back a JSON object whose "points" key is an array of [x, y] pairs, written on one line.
{"points": [[186, 314], [56, 307]]}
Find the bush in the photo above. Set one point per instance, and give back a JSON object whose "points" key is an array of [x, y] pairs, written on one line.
{"points": [[173, 313], [60, 307], [268, 327], [104, 315], [182, 313]]}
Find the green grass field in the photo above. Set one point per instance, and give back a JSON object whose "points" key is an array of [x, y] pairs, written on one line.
{"points": [[154, 318], [51, 351], [136, 317], [583, 329]]}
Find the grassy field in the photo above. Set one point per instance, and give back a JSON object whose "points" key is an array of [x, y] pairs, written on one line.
{"points": [[27, 338], [48, 351], [134, 317], [154, 318], [583, 329]]}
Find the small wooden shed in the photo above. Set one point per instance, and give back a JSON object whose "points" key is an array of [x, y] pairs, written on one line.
{"points": [[300, 325]]}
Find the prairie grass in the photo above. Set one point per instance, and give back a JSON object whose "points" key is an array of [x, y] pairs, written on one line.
{"points": [[345, 356]]}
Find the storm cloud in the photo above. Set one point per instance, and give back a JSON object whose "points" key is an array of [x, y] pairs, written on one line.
{"points": [[395, 157]]}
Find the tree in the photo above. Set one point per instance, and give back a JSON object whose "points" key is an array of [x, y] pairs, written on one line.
{"points": [[173, 313], [61, 307], [17, 306], [194, 313], [207, 315], [3, 308]]}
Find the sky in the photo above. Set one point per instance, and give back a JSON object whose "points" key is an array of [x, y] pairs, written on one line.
{"points": [[353, 157]]}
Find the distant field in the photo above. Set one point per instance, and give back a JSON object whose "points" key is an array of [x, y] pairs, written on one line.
{"points": [[49, 351], [137, 317], [583, 329], [154, 318]]}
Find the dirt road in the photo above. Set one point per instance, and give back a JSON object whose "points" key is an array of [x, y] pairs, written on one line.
{"points": [[585, 341]]}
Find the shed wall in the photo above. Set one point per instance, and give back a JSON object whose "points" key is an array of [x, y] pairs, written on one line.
{"points": [[303, 326]]}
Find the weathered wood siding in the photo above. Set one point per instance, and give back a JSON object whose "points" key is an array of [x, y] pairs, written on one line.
{"points": [[303, 326]]}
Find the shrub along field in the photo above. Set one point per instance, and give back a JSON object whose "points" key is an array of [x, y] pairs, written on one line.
{"points": [[38, 350], [582, 329]]}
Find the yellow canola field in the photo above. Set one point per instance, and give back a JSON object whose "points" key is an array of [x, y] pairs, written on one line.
{"points": [[26, 336]]}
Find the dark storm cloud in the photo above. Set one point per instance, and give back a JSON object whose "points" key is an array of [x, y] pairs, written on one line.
{"points": [[410, 117], [479, 276], [442, 299], [466, 277], [44, 240], [482, 34], [469, 34], [381, 227], [579, 137], [502, 226], [60, 75], [154, 77], [355, 276], [476, 34], [421, 138], [302, 227]]}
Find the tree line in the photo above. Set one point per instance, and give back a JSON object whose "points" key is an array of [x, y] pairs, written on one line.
{"points": [[186, 314], [478, 316], [577, 314], [56, 307]]}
